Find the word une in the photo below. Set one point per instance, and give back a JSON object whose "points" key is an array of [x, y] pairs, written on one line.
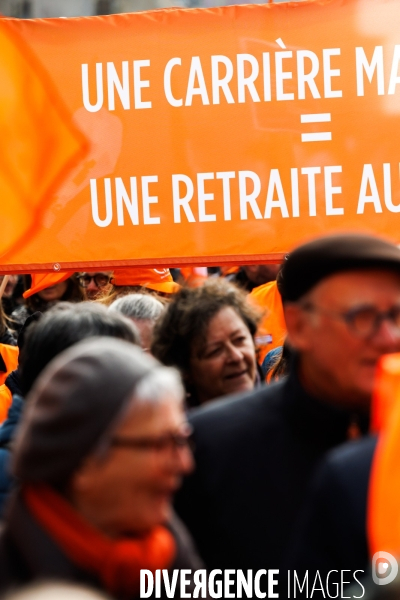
{"points": [[215, 584]]}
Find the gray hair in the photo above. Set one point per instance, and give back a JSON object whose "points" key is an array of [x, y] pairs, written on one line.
{"points": [[142, 307], [160, 382], [155, 386]]}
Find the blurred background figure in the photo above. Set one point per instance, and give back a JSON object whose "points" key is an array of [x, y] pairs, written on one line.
{"points": [[12, 295], [271, 331], [144, 310], [7, 335], [43, 338], [96, 505], [157, 282], [41, 299], [251, 276], [208, 334], [95, 284], [193, 276], [56, 590]]}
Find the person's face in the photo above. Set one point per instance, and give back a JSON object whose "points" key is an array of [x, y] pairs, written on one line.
{"points": [[336, 363], [130, 490], [225, 363], [145, 327], [54, 292], [93, 290], [11, 283], [260, 274]]}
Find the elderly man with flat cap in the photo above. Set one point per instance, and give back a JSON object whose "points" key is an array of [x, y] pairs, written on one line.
{"points": [[256, 452]]}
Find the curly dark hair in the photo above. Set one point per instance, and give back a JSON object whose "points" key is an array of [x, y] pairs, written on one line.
{"points": [[187, 316]]}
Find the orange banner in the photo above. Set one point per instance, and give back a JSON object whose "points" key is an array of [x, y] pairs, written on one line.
{"points": [[39, 144], [221, 135]]}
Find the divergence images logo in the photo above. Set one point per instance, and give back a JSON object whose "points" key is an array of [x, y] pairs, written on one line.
{"points": [[384, 568]]}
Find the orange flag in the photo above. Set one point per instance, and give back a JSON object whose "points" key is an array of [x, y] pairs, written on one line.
{"points": [[383, 521], [39, 144]]}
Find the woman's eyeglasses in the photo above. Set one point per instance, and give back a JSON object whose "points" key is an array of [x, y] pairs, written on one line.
{"points": [[99, 279], [166, 442]]}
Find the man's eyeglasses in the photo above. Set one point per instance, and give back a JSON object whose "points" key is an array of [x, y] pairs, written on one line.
{"points": [[364, 321], [166, 442], [99, 279]]}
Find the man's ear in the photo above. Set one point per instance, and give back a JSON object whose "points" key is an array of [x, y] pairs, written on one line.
{"points": [[298, 326]]}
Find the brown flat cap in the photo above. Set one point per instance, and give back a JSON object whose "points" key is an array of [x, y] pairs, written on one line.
{"points": [[74, 402], [308, 264]]}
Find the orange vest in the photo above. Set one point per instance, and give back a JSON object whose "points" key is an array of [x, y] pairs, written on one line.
{"points": [[5, 402], [272, 328], [8, 363], [8, 360]]}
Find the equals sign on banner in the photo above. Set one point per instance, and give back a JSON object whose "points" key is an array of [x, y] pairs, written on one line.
{"points": [[322, 136]]}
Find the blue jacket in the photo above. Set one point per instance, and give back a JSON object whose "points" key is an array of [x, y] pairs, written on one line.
{"points": [[7, 430]]}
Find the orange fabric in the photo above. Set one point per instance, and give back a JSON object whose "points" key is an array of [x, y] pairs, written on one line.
{"points": [[10, 357], [272, 329], [194, 276], [201, 154], [39, 144], [383, 524], [386, 392], [5, 402], [116, 563], [159, 280], [41, 281], [228, 271]]}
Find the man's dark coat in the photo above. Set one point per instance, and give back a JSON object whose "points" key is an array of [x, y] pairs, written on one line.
{"points": [[331, 533], [255, 454]]}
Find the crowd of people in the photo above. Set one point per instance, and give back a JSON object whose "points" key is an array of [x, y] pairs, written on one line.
{"points": [[195, 419]]}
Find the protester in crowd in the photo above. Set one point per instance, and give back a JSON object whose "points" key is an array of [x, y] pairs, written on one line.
{"points": [[277, 363], [8, 356], [68, 290], [158, 282], [42, 339], [252, 276], [208, 334], [55, 590], [271, 331], [10, 384], [100, 451], [144, 310], [7, 336], [95, 284], [10, 295], [353, 498], [256, 453]]}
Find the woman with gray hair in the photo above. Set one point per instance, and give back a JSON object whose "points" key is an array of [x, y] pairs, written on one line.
{"points": [[102, 447], [144, 310]]}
